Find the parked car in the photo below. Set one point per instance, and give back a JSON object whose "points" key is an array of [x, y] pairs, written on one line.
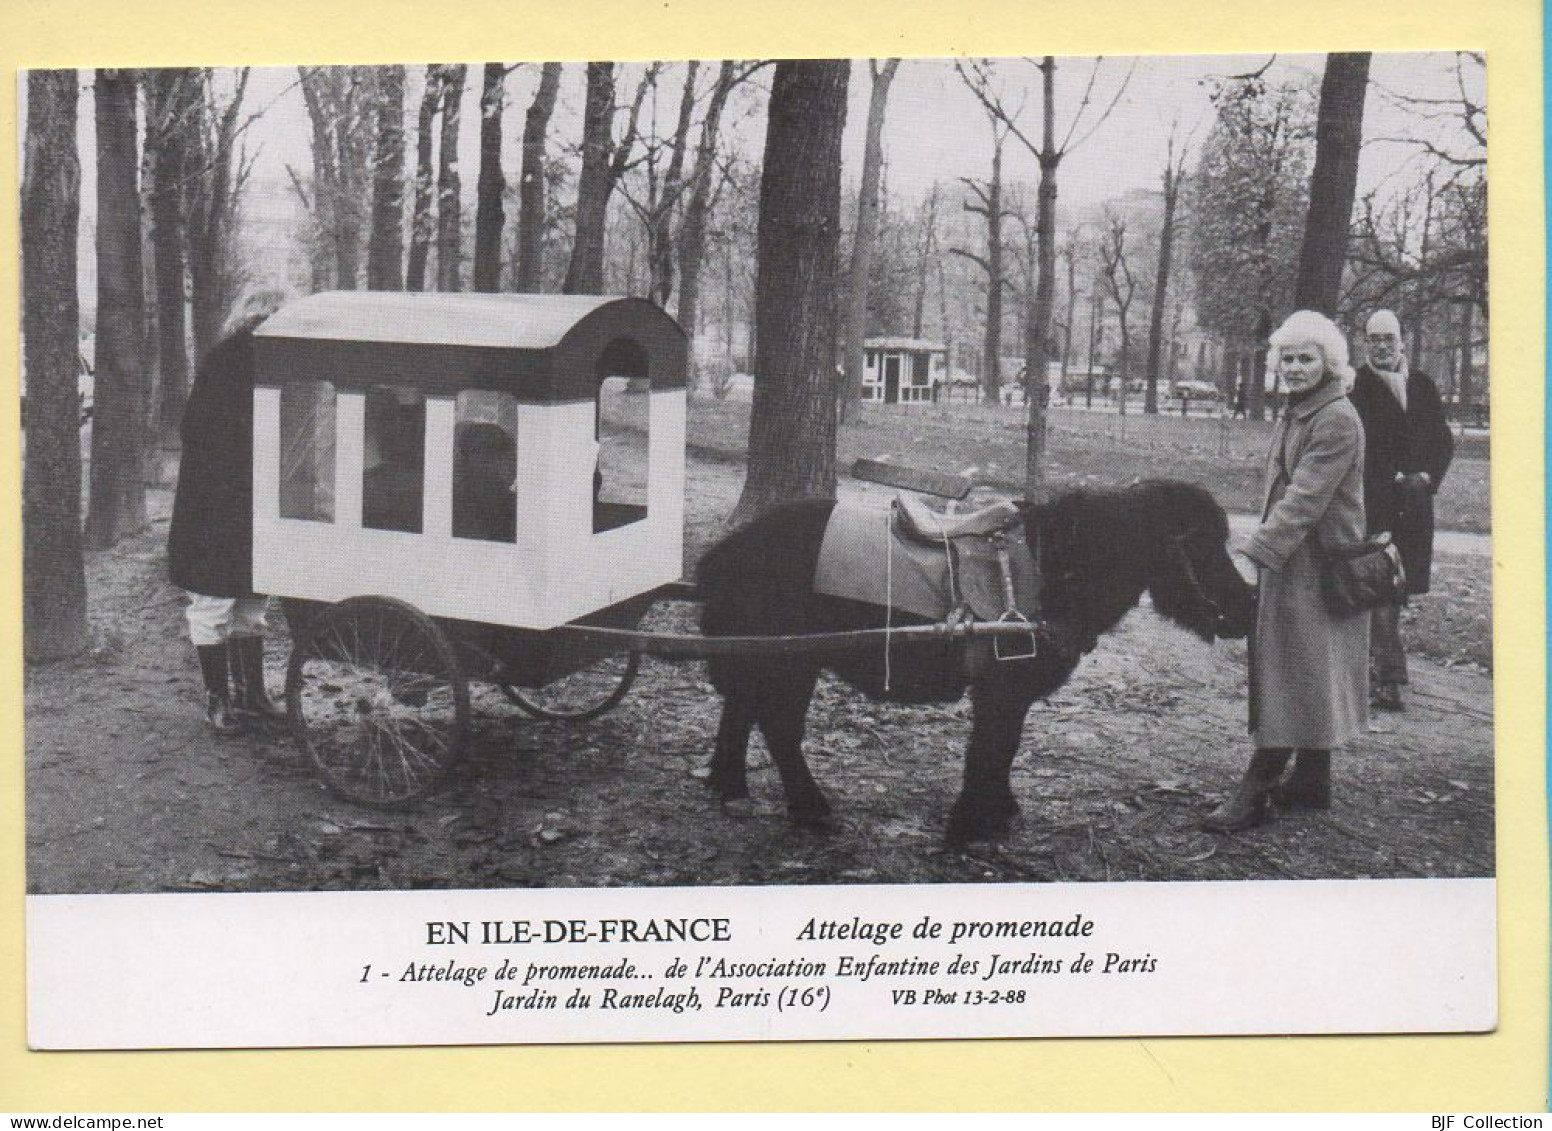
{"points": [[1196, 390]]}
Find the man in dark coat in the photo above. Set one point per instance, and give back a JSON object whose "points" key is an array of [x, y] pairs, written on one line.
{"points": [[1407, 449], [210, 542]]}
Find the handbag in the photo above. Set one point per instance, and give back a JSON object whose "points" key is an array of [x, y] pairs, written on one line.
{"points": [[1362, 577]]}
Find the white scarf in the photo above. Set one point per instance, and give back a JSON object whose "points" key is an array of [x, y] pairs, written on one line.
{"points": [[1396, 380]]}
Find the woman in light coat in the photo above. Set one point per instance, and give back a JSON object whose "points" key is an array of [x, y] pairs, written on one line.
{"points": [[1308, 666]]}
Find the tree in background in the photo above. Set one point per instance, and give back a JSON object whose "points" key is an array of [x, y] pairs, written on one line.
{"points": [[422, 219], [987, 203], [1334, 183], [218, 173], [532, 203], [981, 78], [121, 389], [1121, 284], [706, 180], [385, 244], [342, 109], [489, 213], [1250, 202], [172, 95], [53, 572], [603, 164], [449, 242], [792, 421], [867, 228], [1422, 249], [1173, 178]]}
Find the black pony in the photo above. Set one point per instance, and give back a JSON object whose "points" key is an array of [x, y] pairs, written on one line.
{"points": [[1099, 552]]}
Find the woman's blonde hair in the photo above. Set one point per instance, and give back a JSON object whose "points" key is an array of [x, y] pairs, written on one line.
{"points": [[1310, 327]]}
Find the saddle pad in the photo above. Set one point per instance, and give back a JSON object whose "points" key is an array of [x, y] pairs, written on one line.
{"points": [[862, 559]]}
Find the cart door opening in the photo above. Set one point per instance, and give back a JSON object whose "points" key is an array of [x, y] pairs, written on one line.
{"points": [[393, 459], [623, 428]]}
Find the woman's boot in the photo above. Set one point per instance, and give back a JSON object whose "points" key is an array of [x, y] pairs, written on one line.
{"points": [[218, 702], [247, 658], [1248, 806], [1308, 786]]}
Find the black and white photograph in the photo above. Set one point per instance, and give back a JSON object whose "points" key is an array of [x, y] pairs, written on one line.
{"points": [[1032, 491]]}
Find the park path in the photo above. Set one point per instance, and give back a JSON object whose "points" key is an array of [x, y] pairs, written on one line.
{"points": [[1444, 541]]}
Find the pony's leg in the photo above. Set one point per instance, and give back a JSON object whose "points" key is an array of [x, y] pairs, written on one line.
{"points": [[986, 806], [783, 715], [729, 758]]}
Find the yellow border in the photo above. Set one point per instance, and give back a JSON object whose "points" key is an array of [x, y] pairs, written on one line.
{"points": [[1506, 1071]]}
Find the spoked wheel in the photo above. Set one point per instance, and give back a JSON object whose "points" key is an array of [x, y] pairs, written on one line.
{"points": [[583, 694], [378, 701]]}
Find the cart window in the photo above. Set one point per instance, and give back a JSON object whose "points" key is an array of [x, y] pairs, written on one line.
{"points": [[394, 456], [485, 466], [307, 450], [623, 422]]}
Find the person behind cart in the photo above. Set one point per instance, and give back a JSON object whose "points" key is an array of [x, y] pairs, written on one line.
{"points": [[210, 542], [1407, 449]]}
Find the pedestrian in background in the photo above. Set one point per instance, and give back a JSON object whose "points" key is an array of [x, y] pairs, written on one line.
{"points": [[1408, 449]]}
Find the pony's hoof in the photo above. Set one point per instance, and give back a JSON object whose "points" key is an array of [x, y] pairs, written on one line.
{"points": [[969, 824]]}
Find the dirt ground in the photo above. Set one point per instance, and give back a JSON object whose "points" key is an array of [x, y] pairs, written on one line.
{"points": [[127, 790]]}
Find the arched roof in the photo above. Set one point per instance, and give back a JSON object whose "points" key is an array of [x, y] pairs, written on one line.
{"points": [[540, 348]]}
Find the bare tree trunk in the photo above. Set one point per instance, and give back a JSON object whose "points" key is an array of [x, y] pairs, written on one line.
{"points": [[1096, 321], [1069, 254], [489, 215], [792, 420], [660, 248], [213, 190], [422, 222], [1255, 404], [988, 205], [53, 572], [692, 229], [1036, 382], [531, 202], [170, 102], [1172, 178], [867, 230], [118, 500], [1338, 139], [594, 185], [924, 262], [449, 186], [385, 245], [1464, 384]]}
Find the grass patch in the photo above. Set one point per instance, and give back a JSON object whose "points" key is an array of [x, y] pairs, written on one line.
{"points": [[1084, 449]]}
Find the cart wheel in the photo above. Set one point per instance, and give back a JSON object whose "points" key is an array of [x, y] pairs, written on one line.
{"points": [[584, 694], [377, 700]]}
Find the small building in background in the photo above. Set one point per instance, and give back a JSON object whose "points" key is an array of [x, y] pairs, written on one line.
{"points": [[902, 370]]}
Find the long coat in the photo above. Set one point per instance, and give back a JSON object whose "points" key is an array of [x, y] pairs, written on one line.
{"points": [[1308, 667], [210, 543], [1416, 438]]}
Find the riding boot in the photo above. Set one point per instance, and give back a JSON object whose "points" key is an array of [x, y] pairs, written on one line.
{"points": [[1248, 806], [1308, 786], [218, 703], [247, 654]]}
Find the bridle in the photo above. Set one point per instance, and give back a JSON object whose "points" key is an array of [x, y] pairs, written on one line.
{"points": [[1177, 556]]}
